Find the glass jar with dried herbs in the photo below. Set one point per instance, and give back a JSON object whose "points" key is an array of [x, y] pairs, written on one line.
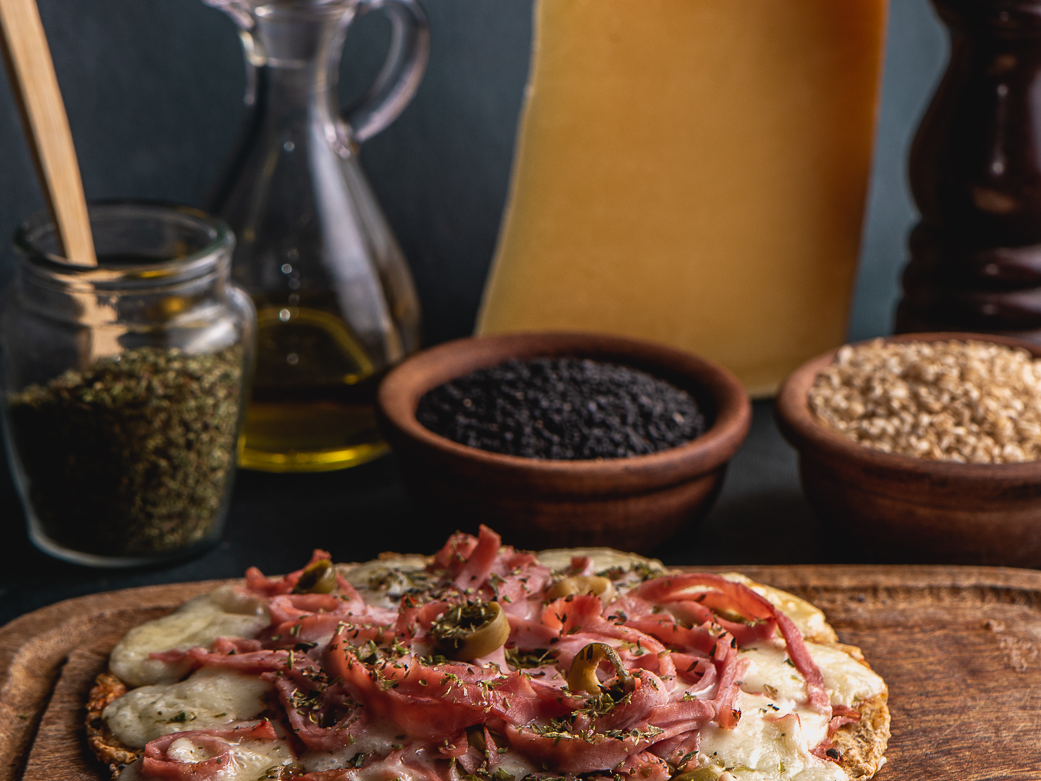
{"points": [[124, 384]]}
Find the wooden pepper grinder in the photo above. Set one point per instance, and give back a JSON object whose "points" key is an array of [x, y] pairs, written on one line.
{"points": [[975, 172]]}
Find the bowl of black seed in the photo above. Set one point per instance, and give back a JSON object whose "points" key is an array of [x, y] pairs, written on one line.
{"points": [[562, 439]]}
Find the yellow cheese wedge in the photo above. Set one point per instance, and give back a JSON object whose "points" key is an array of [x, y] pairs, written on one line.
{"points": [[693, 172]]}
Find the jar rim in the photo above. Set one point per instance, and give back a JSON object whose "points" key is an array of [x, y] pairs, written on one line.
{"points": [[215, 245]]}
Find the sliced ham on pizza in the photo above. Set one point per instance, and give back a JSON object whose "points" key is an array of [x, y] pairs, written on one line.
{"points": [[485, 663]]}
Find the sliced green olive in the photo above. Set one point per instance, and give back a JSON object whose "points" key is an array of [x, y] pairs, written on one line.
{"points": [[317, 578], [732, 616], [475, 737], [467, 632], [709, 773], [582, 675], [583, 584]]}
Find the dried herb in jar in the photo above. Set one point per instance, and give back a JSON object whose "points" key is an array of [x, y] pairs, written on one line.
{"points": [[132, 455]]}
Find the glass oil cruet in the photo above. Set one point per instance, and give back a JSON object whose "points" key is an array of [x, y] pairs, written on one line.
{"points": [[335, 301]]}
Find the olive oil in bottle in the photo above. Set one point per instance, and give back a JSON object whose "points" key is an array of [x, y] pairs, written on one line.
{"points": [[313, 395], [333, 291]]}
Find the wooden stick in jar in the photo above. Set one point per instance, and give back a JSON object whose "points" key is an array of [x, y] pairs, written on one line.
{"points": [[36, 91]]}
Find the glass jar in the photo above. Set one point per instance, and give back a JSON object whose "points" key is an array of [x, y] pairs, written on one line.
{"points": [[124, 385]]}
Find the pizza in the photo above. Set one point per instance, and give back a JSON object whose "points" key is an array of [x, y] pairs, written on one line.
{"points": [[486, 663]]}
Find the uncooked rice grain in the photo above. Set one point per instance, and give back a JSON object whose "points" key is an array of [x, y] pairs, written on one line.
{"points": [[971, 402]]}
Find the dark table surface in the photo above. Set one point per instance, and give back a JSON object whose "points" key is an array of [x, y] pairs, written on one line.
{"points": [[276, 520]]}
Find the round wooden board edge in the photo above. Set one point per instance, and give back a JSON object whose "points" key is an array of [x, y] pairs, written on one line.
{"points": [[48, 625]]}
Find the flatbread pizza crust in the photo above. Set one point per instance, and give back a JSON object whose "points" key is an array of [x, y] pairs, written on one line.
{"points": [[857, 747], [106, 746], [862, 745]]}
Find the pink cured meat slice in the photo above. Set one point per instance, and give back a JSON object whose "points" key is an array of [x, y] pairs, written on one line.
{"points": [[721, 593], [428, 703], [571, 754], [478, 565], [157, 763], [263, 586], [307, 707]]}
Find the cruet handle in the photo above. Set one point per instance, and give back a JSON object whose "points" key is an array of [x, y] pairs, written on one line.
{"points": [[401, 73]]}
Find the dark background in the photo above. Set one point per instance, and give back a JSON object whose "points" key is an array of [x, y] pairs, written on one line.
{"points": [[153, 90]]}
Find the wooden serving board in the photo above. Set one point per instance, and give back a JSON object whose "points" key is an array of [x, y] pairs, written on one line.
{"points": [[960, 648]]}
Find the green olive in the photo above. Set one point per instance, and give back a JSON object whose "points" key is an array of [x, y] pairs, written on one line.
{"points": [[475, 737], [709, 773], [583, 584], [317, 578], [732, 616], [582, 675], [469, 631]]}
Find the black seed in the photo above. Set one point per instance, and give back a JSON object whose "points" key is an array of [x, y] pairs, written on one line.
{"points": [[563, 409]]}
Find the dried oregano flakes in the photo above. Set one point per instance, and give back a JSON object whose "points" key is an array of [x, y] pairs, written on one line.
{"points": [[970, 402], [131, 457]]}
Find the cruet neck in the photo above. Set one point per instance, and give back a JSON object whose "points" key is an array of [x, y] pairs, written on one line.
{"points": [[245, 12], [300, 35]]}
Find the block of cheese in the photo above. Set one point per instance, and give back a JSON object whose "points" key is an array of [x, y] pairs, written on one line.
{"points": [[693, 172]]}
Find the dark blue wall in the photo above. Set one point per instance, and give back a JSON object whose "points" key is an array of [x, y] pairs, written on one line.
{"points": [[153, 90]]}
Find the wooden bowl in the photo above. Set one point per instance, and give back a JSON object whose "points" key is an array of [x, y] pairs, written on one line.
{"points": [[903, 509], [629, 503]]}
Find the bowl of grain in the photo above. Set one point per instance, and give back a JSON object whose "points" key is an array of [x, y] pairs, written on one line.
{"points": [[923, 447], [563, 439]]}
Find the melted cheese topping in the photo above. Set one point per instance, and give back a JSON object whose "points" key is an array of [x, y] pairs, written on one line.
{"points": [[623, 569], [846, 680], [250, 760], [772, 741], [380, 737], [224, 612], [254, 759], [559, 559], [209, 699], [771, 673], [385, 581], [769, 743]]}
